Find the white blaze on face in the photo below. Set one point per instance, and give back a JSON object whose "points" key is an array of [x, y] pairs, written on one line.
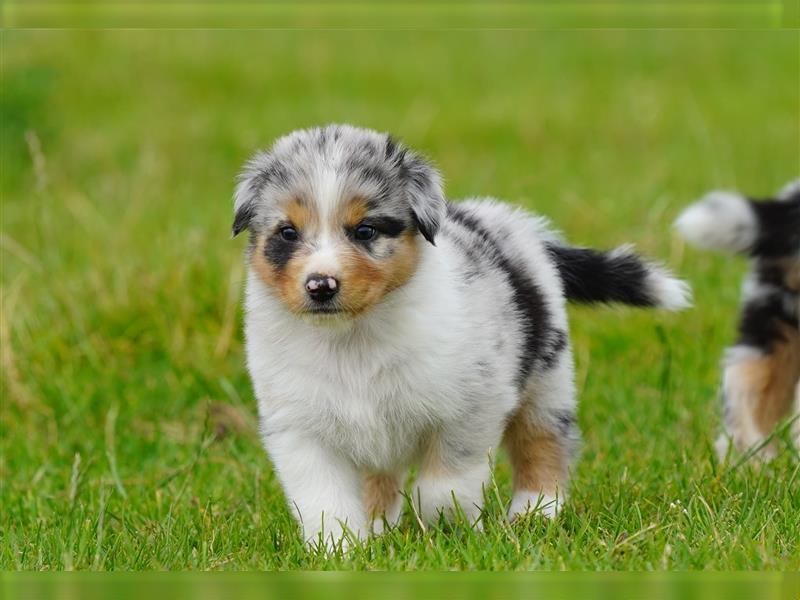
{"points": [[326, 194], [324, 259]]}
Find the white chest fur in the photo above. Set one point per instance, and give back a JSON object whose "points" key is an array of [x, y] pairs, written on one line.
{"points": [[370, 389]]}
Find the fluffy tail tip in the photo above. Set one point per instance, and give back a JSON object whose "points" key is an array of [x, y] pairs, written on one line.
{"points": [[668, 292], [722, 221]]}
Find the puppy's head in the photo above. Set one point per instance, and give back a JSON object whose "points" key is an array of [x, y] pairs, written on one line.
{"points": [[336, 217]]}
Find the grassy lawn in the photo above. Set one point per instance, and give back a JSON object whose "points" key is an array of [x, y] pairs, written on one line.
{"points": [[128, 423]]}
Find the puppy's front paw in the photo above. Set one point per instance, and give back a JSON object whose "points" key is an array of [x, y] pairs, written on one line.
{"points": [[528, 502], [338, 536], [387, 521], [447, 497]]}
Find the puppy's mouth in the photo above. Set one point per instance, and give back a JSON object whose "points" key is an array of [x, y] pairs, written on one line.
{"points": [[324, 310], [326, 316]]}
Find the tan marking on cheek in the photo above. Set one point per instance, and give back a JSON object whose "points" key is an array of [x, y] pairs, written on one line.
{"points": [[769, 382], [366, 280], [381, 494], [286, 282], [405, 259], [538, 457], [258, 262]]}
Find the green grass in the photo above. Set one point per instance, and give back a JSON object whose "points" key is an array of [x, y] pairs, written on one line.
{"points": [[128, 422]]}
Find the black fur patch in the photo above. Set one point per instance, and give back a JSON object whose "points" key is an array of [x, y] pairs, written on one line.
{"points": [[554, 348], [528, 299], [241, 220], [427, 229], [388, 226], [761, 319], [279, 251], [779, 227], [593, 276], [759, 324]]}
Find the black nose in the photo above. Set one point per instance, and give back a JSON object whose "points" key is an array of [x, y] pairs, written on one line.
{"points": [[321, 288]]}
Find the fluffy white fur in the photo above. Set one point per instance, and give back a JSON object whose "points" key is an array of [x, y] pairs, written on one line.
{"points": [[721, 221]]}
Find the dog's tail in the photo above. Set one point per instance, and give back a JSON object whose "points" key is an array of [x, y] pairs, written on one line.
{"points": [[733, 223], [591, 276]]}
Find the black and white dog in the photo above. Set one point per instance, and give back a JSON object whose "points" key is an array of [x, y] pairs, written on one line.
{"points": [[387, 327], [761, 380]]}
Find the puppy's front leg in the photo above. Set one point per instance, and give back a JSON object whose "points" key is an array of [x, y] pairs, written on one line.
{"points": [[454, 471], [323, 488]]}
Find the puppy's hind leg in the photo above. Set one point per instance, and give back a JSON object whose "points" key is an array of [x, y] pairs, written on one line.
{"points": [[759, 388], [542, 439]]}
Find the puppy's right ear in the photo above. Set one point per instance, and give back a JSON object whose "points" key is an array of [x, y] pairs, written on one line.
{"points": [[244, 202], [260, 173]]}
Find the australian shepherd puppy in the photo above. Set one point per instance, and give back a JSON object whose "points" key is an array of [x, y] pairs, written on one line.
{"points": [[761, 378], [386, 327]]}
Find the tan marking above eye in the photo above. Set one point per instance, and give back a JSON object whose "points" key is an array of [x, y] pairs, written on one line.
{"points": [[300, 215], [353, 212]]}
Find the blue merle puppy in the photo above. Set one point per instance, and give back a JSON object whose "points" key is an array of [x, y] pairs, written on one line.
{"points": [[761, 379], [388, 327]]}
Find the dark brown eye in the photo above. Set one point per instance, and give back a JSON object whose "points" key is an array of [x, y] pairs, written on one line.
{"points": [[364, 233], [289, 234]]}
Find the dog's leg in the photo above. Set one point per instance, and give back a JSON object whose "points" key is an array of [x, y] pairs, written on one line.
{"points": [[323, 489], [383, 500], [742, 379], [758, 390], [455, 468], [441, 486], [542, 439]]}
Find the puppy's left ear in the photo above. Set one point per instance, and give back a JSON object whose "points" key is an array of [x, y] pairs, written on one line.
{"points": [[425, 194]]}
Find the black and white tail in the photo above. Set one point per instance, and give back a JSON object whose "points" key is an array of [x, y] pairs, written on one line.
{"points": [[620, 276], [730, 222]]}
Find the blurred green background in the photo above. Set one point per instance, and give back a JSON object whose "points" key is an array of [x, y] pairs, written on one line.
{"points": [[128, 423]]}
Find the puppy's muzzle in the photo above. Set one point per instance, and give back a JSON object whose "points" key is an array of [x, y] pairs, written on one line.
{"points": [[321, 288]]}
